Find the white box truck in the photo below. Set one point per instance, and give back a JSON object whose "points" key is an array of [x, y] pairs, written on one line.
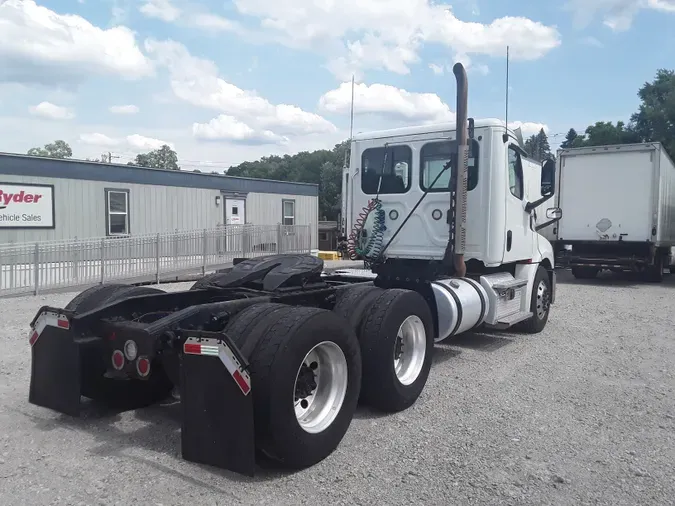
{"points": [[618, 204]]}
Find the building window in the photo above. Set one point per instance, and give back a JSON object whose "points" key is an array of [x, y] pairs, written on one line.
{"points": [[117, 212], [288, 207]]}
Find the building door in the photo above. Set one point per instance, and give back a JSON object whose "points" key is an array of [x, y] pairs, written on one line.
{"points": [[235, 217], [235, 211]]}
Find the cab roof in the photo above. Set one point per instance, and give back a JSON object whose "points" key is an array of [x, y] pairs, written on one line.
{"points": [[426, 129]]}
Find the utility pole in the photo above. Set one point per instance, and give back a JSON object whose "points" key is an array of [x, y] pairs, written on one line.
{"points": [[110, 156]]}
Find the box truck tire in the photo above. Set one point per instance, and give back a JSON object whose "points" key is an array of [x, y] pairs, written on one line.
{"points": [[585, 272]]}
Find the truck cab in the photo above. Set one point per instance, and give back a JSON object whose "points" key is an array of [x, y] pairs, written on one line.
{"points": [[399, 166]]}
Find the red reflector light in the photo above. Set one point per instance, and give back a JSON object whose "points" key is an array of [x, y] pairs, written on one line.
{"points": [[194, 349], [63, 323], [143, 366], [33, 337], [118, 359], [241, 382]]}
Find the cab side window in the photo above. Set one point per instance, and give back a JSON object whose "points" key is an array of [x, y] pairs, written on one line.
{"points": [[515, 173], [386, 170]]}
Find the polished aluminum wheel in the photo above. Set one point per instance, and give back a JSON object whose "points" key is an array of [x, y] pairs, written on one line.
{"points": [[543, 299], [320, 387], [410, 349]]}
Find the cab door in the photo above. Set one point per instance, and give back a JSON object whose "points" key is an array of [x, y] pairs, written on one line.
{"points": [[518, 241]]}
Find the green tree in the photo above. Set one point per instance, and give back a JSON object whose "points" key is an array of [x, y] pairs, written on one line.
{"points": [[572, 139], [56, 149], [655, 119], [162, 158], [538, 146], [606, 133], [322, 167]]}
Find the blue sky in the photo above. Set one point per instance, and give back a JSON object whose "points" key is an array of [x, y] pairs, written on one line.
{"points": [[227, 81]]}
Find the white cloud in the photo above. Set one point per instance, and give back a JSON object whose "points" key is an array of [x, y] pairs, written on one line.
{"points": [[228, 128], [439, 70], [528, 128], [192, 16], [591, 41], [470, 66], [161, 9], [135, 142], [386, 100], [124, 109], [618, 15], [38, 45], [48, 110], [388, 34], [195, 81]]}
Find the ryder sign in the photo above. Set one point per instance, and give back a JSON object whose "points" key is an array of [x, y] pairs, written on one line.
{"points": [[26, 206]]}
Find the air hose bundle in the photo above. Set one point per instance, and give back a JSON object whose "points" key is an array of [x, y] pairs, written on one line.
{"points": [[373, 247]]}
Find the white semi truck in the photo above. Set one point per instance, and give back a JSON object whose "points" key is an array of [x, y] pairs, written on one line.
{"points": [[619, 210], [270, 357]]}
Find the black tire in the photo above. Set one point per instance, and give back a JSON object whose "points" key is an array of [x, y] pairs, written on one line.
{"points": [[654, 272], [580, 272], [353, 303], [540, 302], [242, 328], [381, 388], [284, 337]]}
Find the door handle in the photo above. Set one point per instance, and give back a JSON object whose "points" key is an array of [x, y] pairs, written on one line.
{"points": [[508, 240]]}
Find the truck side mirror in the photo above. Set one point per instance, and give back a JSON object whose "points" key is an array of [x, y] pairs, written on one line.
{"points": [[548, 177], [553, 214]]}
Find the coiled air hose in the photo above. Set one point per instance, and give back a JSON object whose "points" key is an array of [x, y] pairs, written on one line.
{"points": [[373, 247]]}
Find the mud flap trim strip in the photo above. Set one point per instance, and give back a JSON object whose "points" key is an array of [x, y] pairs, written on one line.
{"points": [[217, 348]]}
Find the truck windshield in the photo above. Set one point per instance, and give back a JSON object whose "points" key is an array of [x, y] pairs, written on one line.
{"points": [[434, 156], [390, 173]]}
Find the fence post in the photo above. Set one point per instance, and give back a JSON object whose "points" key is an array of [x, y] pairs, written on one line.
{"points": [[102, 260], [157, 258], [205, 250], [76, 260], [279, 239], [36, 268], [175, 247], [309, 242], [246, 241]]}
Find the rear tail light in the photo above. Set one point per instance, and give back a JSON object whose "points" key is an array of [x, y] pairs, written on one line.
{"points": [[130, 350], [143, 367], [118, 360]]}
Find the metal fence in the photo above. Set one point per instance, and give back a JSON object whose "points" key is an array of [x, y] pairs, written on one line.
{"points": [[49, 265]]}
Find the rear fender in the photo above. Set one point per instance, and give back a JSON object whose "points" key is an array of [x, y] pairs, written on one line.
{"points": [[56, 370], [217, 403]]}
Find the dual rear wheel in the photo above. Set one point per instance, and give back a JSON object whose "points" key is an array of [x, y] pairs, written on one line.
{"points": [[309, 367]]}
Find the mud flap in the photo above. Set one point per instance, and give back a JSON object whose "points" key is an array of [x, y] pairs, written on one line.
{"points": [[55, 365], [217, 404]]}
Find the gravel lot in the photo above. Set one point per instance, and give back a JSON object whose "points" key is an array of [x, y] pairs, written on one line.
{"points": [[583, 413]]}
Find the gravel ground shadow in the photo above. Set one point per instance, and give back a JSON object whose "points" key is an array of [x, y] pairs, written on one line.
{"points": [[160, 433], [613, 279], [482, 340]]}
